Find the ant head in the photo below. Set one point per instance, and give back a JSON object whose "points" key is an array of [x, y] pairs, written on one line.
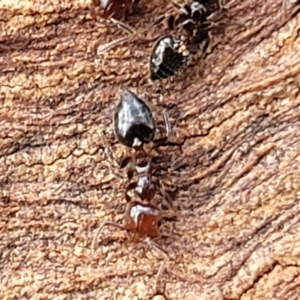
{"points": [[167, 57], [133, 121]]}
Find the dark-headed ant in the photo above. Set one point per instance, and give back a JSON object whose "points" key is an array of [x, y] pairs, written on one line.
{"points": [[168, 56], [192, 26], [134, 126]]}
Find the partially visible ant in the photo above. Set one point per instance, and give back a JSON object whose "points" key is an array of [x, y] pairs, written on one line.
{"points": [[132, 33], [134, 126], [114, 11], [192, 25]]}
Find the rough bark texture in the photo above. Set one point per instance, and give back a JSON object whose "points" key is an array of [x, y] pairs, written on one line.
{"points": [[236, 181]]}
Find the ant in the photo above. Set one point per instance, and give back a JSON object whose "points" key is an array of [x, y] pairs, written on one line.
{"points": [[134, 126], [170, 54], [114, 11]]}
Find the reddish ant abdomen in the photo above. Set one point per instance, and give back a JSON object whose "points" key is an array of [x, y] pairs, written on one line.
{"points": [[145, 218], [140, 219], [143, 221]]}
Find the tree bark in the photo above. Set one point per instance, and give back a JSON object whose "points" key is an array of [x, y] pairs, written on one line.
{"points": [[235, 180]]}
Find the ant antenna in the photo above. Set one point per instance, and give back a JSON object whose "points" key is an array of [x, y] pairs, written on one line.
{"points": [[110, 45]]}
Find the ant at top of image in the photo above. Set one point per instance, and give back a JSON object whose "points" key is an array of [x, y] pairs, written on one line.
{"points": [[117, 9], [190, 26]]}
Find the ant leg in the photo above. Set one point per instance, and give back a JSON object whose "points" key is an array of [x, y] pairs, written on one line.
{"points": [[110, 45], [178, 7], [107, 223], [220, 4], [162, 267], [140, 246], [123, 26], [284, 9], [167, 124], [205, 47], [125, 162], [169, 200], [223, 6], [228, 5], [163, 140], [109, 154], [130, 187]]}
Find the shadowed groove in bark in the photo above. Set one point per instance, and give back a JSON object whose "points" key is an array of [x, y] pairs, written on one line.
{"points": [[236, 180]]}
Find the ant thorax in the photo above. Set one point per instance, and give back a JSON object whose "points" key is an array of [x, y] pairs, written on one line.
{"points": [[145, 187], [145, 218], [143, 167]]}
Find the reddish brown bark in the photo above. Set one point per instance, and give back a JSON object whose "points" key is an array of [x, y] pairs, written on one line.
{"points": [[236, 182]]}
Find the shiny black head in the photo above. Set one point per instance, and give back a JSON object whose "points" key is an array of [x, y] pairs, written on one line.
{"points": [[167, 58], [133, 121]]}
